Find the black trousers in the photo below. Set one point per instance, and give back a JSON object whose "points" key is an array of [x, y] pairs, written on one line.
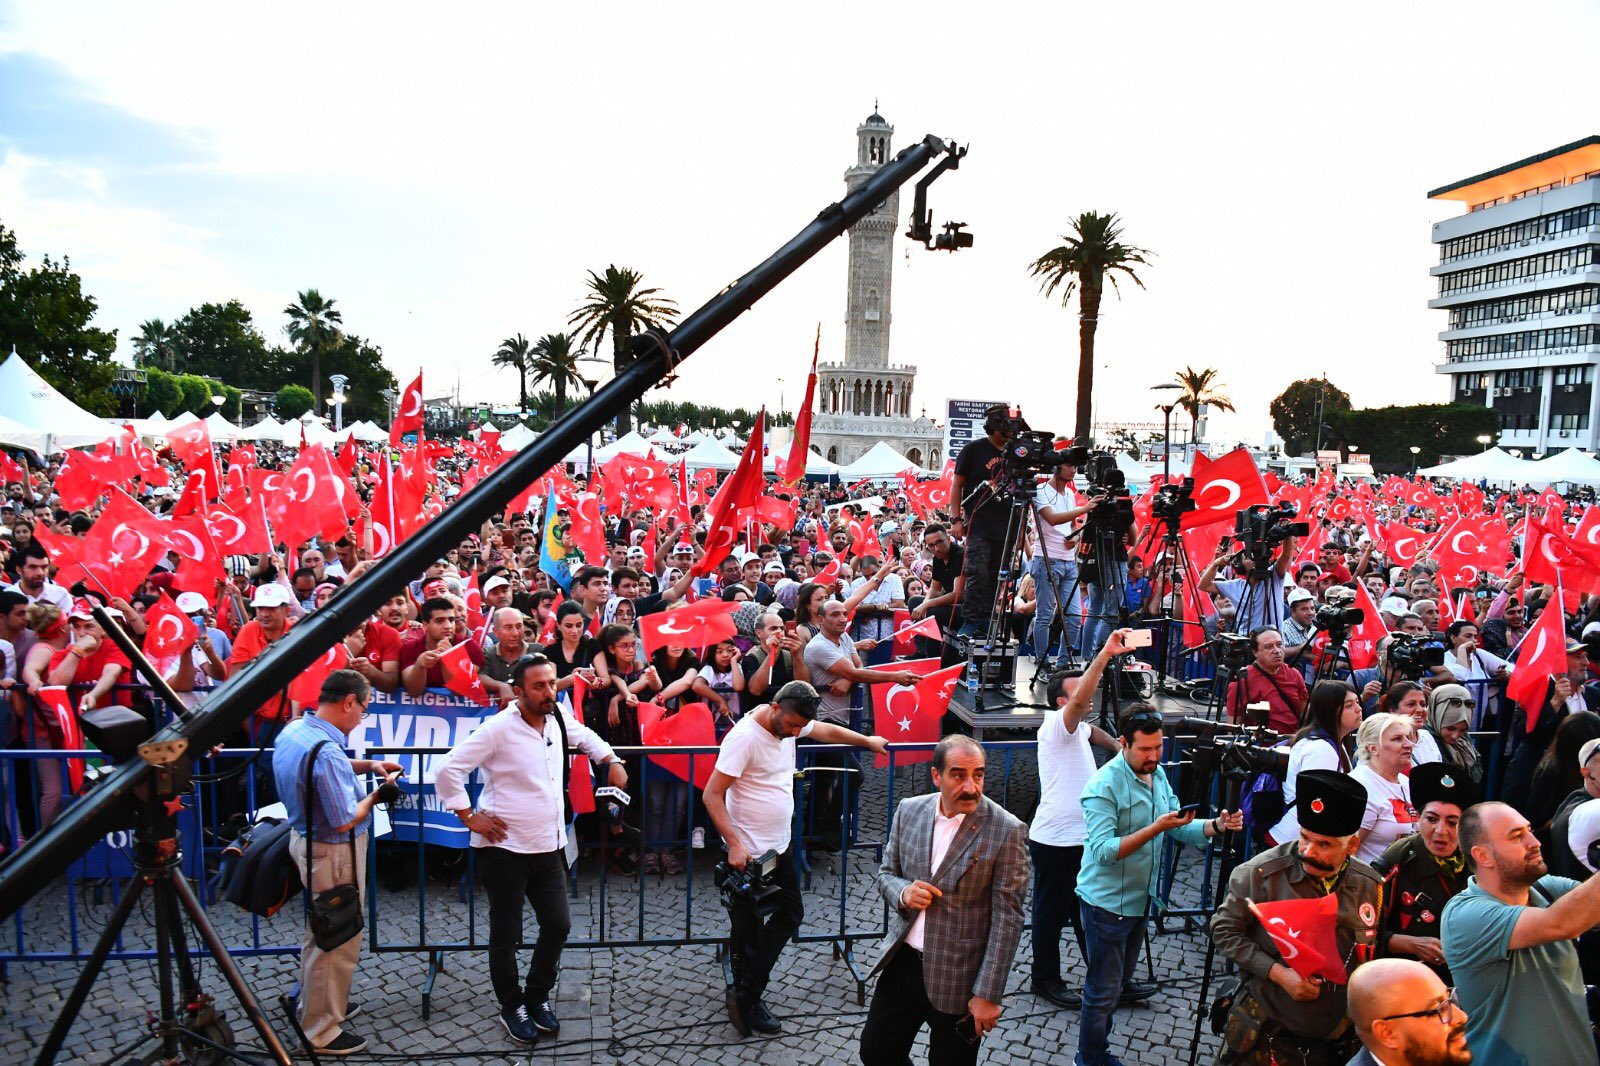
{"points": [[1055, 906], [900, 1009], [509, 878], [757, 943], [981, 568]]}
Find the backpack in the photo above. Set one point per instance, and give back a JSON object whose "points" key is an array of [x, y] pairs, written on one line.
{"points": [[1262, 805], [258, 872]]}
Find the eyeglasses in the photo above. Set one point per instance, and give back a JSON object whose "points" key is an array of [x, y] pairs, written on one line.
{"points": [[1443, 1012], [1145, 721], [1455, 701]]}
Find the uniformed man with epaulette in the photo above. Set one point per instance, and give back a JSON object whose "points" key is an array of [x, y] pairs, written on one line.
{"points": [[1278, 1016], [1422, 870]]}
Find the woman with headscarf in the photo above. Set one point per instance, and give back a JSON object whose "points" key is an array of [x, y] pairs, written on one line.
{"points": [[745, 618], [1449, 720]]}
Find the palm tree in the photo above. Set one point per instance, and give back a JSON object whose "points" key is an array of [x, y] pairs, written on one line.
{"points": [[616, 302], [1091, 255], [514, 353], [314, 326], [555, 359], [1200, 387], [156, 344]]}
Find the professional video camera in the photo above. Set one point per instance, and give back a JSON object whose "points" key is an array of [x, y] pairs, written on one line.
{"points": [[1236, 752], [1028, 452], [1171, 502], [1413, 657], [1232, 651], [755, 886], [1261, 528], [1336, 621]]}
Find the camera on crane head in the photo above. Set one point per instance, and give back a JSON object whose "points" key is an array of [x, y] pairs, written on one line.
{"points": [[756, 885], [1260, 528]]}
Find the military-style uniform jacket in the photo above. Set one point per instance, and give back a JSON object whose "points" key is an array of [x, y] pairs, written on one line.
{"points": [[1276, 874], [1415, 888]]}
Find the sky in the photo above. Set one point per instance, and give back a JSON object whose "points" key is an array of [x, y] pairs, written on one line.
{"points": [[449, 173]]}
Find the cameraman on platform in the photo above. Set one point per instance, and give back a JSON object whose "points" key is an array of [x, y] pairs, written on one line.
{"points": [[1257, 591], [1055, 566], [982, 519], [750, 799]]}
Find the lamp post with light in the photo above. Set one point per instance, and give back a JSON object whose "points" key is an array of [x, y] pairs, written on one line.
{"points": [[337, 399], [1166, 410], [1485, 440], [1415, 451]]}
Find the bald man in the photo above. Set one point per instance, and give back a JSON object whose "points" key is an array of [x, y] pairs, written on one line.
{"points": [[1405, 1016]]}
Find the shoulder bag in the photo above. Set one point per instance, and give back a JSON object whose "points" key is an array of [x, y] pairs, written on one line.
{"points": [[334, 913]]}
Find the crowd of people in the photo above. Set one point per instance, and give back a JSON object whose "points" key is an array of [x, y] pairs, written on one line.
{"points": [[1395, 724]]}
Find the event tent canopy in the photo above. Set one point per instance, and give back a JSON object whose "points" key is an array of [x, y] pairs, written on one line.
{"points": [[1495, 464], [629, 442], [708, 453], [367, 433], [266, 429], [222, 431], [815, 464], [881, 461], [1571, 466], [48, 420], [516, 438]]}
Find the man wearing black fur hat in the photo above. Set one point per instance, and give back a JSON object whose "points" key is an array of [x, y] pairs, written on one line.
{"points": [[1277, 1015], [1422, 870]]}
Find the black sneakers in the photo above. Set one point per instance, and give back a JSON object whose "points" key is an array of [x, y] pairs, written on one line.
{"points": [[346, 1043], [519, 1026], [544, 1019]]}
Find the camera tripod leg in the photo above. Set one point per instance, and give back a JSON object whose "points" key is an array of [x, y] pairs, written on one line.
{"points": [[91, 970], [230, 970], [168, 1026]]}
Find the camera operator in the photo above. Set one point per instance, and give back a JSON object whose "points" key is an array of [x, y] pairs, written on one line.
{"points": [[519, 829], [750, 799], [1269, 679], [1257, 593], [1055, 566], [982, 519], [1299, 626]]}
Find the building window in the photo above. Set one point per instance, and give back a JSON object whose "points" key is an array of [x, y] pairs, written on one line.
{"points": [[1510, 345], [1545, 226], [1558, 302], [1534, 266]]}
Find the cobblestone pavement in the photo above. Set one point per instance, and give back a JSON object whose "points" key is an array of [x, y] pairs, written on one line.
{"points": [[617, 1005]]}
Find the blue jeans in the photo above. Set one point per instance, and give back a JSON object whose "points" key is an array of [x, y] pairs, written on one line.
{"points": [[1104, 609], [1052, 589], [1112, 944]]}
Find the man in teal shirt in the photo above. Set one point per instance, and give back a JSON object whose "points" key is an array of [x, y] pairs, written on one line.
{"points": [[1127, 805], [1508, 942]]}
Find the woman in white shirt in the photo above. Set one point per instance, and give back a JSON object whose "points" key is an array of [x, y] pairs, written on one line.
{"points": [[1383, 746], [1409, 700], [1332, 714]]}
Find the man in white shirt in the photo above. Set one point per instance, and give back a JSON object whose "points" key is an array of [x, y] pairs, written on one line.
{"points": [[33, 579], [750, 799], [1055, 564], [1055, 839], [519, 829]]}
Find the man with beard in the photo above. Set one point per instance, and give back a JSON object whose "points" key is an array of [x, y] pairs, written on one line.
{"points": [[1277, 1015], [1508, 940], [1406, 1016]]}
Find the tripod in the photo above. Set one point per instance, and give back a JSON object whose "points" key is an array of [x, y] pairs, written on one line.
{"points": [[1102, 570], [195, 1028], [1177, 556], [1234, 779]]}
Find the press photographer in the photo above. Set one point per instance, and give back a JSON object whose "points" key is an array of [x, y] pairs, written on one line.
{"points": [[979, 515], [1108, 534], [1054, 565], [1264, 539], [750, 799]]}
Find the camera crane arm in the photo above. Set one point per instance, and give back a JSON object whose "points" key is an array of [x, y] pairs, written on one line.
{"points": [[652, 357]]}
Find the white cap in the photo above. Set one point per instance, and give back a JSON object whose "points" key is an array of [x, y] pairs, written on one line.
{"points": [[498, 581], [1300, 595], [270, 595], [1394, 605], [683, 548], [84, 608], [1586, 752], [748, 557], [190, 602], [636, 552], [774, 566]]}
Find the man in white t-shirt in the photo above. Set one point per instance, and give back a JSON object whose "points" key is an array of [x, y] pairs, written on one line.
{"points": [[1054, 566], [750, 799], [1055, 839]]}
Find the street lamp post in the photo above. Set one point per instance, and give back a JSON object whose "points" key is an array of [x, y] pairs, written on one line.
{"points": [[337, 399], [1485, 440], [1166, 429], [1415, 451]]}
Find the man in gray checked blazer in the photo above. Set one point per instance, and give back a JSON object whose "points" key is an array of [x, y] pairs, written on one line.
{"points": [[955, 871]]}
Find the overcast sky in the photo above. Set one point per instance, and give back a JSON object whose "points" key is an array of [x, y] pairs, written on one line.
{"points": [[449, 172]]}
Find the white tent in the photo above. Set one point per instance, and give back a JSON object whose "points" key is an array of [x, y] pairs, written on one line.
{"points": [[54, 422], [815, 464], [1492, 465], [487, 427], [664, 437], [222, 431], [695, 436], [1571, 466], [517, 438], [266, 429], [368, 433], [1136, 472], [315, 433], [154, 426], [708, 453], [881, 461], [629, 442]]}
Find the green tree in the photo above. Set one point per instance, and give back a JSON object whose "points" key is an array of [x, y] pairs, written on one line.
{"points": [[1200, 388], [197, 392], [156, 345], [1092, 254], [1294, 412], [293, 401], [221, 341], [617, 303], [1387, 434], [45, 314], [362, 363], [514, 353], [161, 393], [555, 359], [314, 326]]}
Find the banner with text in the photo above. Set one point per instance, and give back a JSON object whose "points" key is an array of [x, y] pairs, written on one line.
{"points": [[963, 423]]}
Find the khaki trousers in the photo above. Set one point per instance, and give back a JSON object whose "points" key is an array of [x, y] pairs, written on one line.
{"points": [[325, 975]]}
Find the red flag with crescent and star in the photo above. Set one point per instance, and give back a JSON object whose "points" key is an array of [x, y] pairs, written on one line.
{"points": [[306, 689], [690, 727], [169, 631], [1224, 487], [740, 492], [694, 627], [1543, 655], [461, 675], [912, 714], [794, 470], [408, 417], [65, 732], [1305, 934]]}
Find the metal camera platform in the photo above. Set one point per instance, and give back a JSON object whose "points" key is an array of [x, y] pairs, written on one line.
{"points": [[994, 705]]}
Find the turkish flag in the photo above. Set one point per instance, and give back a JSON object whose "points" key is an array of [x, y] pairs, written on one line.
{"points": [[461, 675], [191, 443], [864, 539], [911, 715], [120, 548], [81, 480], [580, 785], [1402, 544], [588, 533], [408, 418], [694, 627], [1362, 643], [168, 630], [1224, 487], [310, 500], [200, 560], [11, 471], [1304, 931], [690, 727], [193, 499], [794, 468], [230, 531], [829, 574], [306, 690], [63, 550], [738, 493], [62, 723], [906, 632], [1541, 656], [777, 511]]}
